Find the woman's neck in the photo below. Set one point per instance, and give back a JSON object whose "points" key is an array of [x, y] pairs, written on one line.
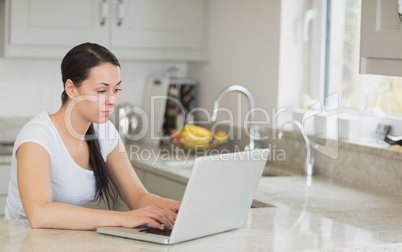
{"points": [[71, 123]]}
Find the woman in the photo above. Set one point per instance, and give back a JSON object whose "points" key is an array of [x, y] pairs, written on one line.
{"points": [[64, 160]]}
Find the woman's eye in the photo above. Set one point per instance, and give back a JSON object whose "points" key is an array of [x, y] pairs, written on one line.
{"points": [[117, 90], [102, 91]]}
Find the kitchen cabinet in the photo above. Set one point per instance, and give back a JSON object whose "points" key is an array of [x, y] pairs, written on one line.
{"points": [[131, 29], [381, 38], [158, 183], [99, 204], [5, 175], [154, 183], [164, 187]]}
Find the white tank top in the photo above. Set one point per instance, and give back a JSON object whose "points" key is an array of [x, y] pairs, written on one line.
{"points": [[71, 184]]}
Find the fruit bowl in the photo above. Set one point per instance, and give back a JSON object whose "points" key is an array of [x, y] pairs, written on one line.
{"points": [[196, 138]]}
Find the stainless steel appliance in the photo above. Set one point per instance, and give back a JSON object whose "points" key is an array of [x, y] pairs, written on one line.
{"points": [[129, 121]]}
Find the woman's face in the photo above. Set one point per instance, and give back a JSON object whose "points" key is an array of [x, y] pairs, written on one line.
{"points": [[98, 94]]}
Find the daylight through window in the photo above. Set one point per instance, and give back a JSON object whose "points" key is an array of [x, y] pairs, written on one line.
{"points": [[357, 91]]}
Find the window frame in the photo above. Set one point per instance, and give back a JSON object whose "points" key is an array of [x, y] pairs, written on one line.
{"points": [[319, 63]]}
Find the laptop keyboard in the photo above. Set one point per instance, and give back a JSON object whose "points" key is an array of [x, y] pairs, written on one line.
{"points": [[152, 230]]}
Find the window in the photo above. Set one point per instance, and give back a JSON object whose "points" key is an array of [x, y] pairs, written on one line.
{"points": [[367, 94]]}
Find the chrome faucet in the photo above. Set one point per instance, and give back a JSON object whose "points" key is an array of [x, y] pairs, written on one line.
{"points": [[308, 165], [251, 103]]}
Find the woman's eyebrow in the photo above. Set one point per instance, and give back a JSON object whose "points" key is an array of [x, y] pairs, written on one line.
{"points": [[107, 84]]}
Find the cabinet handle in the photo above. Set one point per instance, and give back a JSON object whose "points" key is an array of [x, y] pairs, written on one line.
{"points": [[104, 12], [120, 13]]}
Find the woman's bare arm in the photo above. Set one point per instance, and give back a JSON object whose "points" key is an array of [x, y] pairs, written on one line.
{"points": [[131, 189], [34, 184]]}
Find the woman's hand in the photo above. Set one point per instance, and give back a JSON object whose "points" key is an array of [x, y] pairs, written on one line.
{"points": [[153, 215], [172, 207], [147, 215]]}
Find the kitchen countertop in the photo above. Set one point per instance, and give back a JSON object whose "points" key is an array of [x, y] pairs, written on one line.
{"points": [[333, 214], [344, 219], [267, 229], [319, 213], [315, 214], [5, 159], [18, 236]]}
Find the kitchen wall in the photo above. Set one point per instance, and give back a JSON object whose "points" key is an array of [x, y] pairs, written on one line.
{"points": [[31, 86], [257, 44]]}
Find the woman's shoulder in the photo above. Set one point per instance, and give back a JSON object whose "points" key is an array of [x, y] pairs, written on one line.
{"points": [[38, 122], [39, 130]]}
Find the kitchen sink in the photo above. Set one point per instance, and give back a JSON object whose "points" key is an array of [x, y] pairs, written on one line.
{"points": [[274, 174], [274, 171], [260, 204]]}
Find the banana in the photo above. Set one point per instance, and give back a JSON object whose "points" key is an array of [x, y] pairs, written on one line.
{"points": [[221, 137], [197, 131], [189, 136], [193, 136]]}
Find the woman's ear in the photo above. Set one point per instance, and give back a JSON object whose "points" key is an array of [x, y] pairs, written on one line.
{"points": [[70, 89]]}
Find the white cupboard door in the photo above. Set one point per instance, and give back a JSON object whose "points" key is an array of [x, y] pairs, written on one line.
{"points": [[58, 23], [158, 24], [381, 36]]}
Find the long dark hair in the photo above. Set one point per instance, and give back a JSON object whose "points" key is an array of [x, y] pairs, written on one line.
{"points": [[76, 66]]}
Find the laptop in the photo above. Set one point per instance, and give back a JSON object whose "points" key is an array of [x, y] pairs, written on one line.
{"points": [[217, 198]]}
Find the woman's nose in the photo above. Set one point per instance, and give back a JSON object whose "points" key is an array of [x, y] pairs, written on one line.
{"points": [[111, 100]]}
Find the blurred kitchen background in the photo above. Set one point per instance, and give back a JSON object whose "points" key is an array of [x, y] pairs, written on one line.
{"points": [[331, 64], [258, 45], [281, 51]]}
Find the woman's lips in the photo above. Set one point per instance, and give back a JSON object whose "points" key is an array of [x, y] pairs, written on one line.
{"points": [[108, 112]]}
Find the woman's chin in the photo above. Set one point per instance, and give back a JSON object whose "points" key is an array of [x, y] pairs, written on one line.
{"points": [[102, 119]]}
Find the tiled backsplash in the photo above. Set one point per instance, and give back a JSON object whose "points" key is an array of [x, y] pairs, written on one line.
{"points": [[374, 168]]}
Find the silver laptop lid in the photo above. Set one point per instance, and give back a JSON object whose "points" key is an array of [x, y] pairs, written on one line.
{"points": [[219, 194], [217, 198]]}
